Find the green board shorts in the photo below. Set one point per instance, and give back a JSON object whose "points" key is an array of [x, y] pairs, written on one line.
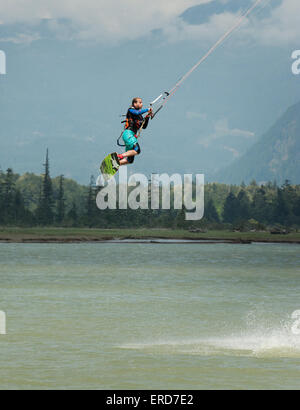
{"points": [[129, 139]]}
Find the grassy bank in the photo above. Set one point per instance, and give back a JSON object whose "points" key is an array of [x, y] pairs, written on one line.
{"points": [[90, 235]]}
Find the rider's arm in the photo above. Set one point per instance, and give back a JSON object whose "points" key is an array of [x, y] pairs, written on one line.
{"points": [[138, 112]]}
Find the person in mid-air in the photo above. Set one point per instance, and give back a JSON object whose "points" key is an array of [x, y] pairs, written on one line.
{"points": [[134, 122]]}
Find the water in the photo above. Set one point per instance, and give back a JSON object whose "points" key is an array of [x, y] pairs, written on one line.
{"points": [[149, 316]]}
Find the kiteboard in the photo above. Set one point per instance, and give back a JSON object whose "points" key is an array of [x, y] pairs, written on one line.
{"points": [[110, 166]]}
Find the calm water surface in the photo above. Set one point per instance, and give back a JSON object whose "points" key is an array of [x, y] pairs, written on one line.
{"points": [[149, 316]]}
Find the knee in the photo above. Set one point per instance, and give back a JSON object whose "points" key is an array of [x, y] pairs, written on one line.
{"points": [[137, 149]]}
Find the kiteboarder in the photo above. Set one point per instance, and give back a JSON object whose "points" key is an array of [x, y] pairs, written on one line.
{"points": [[134, 123]]}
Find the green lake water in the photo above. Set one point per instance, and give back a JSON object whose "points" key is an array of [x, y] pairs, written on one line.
{"points": [[149, 316]]}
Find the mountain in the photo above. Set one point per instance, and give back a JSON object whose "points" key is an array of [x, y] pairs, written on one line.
{"points": [[275, 156]]}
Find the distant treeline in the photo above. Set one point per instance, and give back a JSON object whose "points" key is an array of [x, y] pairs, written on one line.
{"points": [[32, 200]]}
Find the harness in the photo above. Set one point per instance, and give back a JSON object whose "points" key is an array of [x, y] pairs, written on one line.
{"points": [[133, 122]]}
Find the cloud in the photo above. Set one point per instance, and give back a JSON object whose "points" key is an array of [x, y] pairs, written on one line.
{"points": [[179, 30], [119, 20], [222, 129], [235, 152], [191, 115], [281, 28], [100, 20], [21, 38], [271, 24]]}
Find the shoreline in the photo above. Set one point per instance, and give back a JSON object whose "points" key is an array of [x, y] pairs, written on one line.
{"points": [[130, 236]]}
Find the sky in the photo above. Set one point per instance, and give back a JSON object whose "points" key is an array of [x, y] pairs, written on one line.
{"points": [[74, 66]]}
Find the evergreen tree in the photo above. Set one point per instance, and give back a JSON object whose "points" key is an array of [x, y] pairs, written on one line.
{"points": [[230, 210], [12, 207], [60, 203], [210, 212], [243, 206], [180, 221], [44, 211], [281, 211], [38, 211], [72, 215], [290, 197], [1, 202], [91, 203], [296, 208], [261, 210], [8, 197], [19, 208]]}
